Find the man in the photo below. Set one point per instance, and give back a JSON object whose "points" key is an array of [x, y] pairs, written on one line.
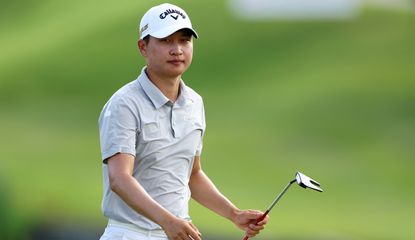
{"points": [[151, 140]]}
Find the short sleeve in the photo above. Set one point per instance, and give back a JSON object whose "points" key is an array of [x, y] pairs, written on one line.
{"points": [[199, 148], [118, 126], [203, 120]]}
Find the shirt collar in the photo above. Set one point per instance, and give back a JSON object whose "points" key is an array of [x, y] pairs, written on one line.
{"points": [[184, 97], [157, 97]]}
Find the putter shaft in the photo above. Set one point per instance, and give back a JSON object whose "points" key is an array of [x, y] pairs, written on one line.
{"points": [[272, 205], [280, 195]]}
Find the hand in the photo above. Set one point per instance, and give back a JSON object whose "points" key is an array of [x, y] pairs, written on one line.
{"points": [[179, 229], [246, 220]]}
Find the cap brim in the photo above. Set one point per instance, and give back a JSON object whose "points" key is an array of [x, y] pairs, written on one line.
{"points": [[165, 32]]}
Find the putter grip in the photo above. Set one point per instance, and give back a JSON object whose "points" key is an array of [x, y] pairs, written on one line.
{"points": [[257, 221]]}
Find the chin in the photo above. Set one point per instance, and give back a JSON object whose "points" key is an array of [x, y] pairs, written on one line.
{"points": [[177, 71]]}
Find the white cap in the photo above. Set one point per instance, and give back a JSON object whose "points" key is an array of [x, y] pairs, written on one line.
{"points": [[163, 20]]}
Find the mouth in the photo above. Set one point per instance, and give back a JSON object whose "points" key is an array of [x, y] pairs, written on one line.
{"points": [[176, 61]]}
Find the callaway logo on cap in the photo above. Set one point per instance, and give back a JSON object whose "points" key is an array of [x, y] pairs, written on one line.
{"points": [[163, 20]]}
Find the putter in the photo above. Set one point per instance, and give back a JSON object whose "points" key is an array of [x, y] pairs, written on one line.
{"points": [[301, 180]]}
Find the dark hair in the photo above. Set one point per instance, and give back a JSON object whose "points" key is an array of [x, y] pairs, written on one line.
{"points": [[188, 32], [146, 39]]}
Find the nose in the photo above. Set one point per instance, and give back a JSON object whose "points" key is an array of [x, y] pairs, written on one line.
{"points": [[176, 49]]}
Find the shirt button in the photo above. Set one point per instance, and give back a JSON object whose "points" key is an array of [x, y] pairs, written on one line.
{"points": [[174, 123]]}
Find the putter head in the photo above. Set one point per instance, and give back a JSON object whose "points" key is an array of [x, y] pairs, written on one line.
{"points": [[307, 182]]}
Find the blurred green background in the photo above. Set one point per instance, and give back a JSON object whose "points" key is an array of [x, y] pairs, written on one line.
{"points": [[333, 99]]}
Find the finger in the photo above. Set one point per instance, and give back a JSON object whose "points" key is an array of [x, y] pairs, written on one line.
{"points": [[251, 233], [195, 228], [194, 233], [254, 213], [256, 227], [194, 237], [263, 221]]}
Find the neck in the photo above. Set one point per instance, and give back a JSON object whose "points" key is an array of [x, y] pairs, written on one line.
{"points": [[169, 86]]}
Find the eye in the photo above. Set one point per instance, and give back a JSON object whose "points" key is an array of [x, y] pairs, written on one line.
{"points": [[186, 39]]}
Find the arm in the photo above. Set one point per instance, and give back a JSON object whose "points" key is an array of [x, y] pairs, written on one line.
{"points": [[120, 167], [206, 193]]}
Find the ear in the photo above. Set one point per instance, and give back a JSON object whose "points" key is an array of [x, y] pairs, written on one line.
{"points": [[142, 47]]}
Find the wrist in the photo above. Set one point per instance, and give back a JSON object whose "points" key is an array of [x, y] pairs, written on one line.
{"points": [[233, 214], [165, 219]]}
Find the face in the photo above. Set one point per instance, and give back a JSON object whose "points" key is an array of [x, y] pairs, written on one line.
{"points": [[168, 57]]}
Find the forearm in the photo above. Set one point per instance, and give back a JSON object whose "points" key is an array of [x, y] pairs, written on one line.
{"points": [[120, 169], [205, 192], [136, 197]]}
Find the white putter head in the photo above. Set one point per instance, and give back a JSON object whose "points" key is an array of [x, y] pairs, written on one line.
{"points": [[307, 182], [303, 181]]}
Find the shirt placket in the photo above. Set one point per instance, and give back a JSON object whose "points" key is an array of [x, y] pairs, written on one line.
{"points": [[177, 120]]}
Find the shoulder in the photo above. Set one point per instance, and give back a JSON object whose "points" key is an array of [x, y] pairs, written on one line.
{"points": [[123, 100], [129, 93], [193, 95]]}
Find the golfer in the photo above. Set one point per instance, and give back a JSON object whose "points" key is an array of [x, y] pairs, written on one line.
{"points": [[151, 133]]}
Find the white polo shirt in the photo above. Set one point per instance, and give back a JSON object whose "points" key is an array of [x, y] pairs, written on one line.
{"points": [[163, 136]]}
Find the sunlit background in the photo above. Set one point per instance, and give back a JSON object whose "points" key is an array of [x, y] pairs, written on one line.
{"points": [[318, 86]]}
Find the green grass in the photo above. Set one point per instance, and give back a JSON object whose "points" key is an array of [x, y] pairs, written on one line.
{"points": [[331, 99]]}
